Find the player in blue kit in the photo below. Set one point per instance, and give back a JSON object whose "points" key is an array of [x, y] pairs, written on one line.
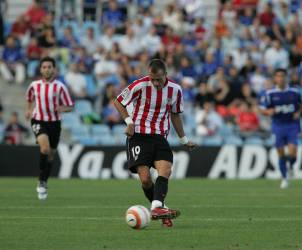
{"points": [[283, 104]]}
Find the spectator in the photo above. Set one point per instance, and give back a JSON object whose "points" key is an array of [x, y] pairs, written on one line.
{"points": [[276, 57], [15, 131], [113, 16], [34, 51], [35, 14], [208, 120], [89, 42], [21, 30], [11, 66], [110, 115], [151, 41], [108, 39], [129, 44], [203, 96], [76, 82], [247, 120], [267, 17]]}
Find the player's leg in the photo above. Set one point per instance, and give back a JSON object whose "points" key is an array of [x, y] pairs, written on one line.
{"points": [[43, 142], [146, 181], [282, 166], [292, 157], [161, 185]]}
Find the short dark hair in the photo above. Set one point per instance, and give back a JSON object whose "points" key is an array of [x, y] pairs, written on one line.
{"points": [[282, 70], [48, 59], [156, 65]]}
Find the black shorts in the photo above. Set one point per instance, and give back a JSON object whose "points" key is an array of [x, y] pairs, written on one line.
{"points": [[52, 129], [143, 150]]}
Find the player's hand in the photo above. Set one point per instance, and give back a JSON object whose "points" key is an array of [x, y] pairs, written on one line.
{"points": [[297, 115], [27, 114], [191, 145], [129, 131], [270, 111]]}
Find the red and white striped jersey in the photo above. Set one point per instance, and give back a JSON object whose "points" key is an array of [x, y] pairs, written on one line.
{"points": [[152, 107], [48, 96]]}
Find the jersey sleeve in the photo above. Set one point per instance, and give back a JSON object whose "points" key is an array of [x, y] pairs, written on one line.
{"points": [[30, 94], [65, 98], [178, 105], [129, 94]]}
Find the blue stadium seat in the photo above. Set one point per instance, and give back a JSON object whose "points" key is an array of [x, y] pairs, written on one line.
{"points": [[119, 129], [270, 142], [70, 120], [173, 140], [32, 68], [233, 140], [255, 140], [90, 85], [226, 131], [100, 130], [83, 107], [107, 140], [215, 140], [82, 130], [86, 140]]}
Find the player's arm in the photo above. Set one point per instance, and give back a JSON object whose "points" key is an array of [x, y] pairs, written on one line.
{"points": [[67, 105], [298, 113], [129, 131], [178, 126], [265, 106], [28, 109]]}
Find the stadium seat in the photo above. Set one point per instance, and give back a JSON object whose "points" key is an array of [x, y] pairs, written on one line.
{"points": [[215, 140], [82, 130], [233, 140], [173, 140], [269, 142], [83, 107], [90, 85], [107, 140], [100, 130], [119, 129], [86, 140], [255, 140], [70, 120], [32, 68], [225, 131]]}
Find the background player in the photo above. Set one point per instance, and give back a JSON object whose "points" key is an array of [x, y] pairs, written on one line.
{"points": [[283, 104], [155, 98], [51, 98]]}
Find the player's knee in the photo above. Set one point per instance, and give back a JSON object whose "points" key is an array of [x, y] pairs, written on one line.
{"points": [[165, 172], [45, 150], [146, 181]]}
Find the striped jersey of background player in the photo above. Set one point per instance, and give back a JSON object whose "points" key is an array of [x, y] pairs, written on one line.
{"points": [[51, 98], [155, 99]]}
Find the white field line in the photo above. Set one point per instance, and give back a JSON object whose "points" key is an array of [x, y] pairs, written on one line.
{"points": [[121, 218], [178, 206]]}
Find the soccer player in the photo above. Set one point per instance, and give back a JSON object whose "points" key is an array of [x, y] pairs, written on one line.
{"points": [[51, 98], [155, 99], [283, 104]]}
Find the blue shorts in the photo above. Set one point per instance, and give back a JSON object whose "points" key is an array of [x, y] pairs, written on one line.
{"points": [[286, 134]]}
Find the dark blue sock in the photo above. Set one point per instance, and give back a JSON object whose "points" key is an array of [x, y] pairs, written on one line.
{"points": [[291, 160], [282, 167]]}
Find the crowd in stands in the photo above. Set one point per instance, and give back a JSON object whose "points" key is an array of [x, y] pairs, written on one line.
{"points": [[223, 66]]}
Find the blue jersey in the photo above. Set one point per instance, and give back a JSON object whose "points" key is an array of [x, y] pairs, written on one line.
{"points": [[285, 102]]}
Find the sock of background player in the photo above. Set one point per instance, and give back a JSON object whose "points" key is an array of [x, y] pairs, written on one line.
{"points": [[291, 160], [43, 167], [149, 192], [282, 167], [160, 192]]}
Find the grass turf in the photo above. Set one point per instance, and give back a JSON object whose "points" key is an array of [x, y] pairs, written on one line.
{"points": [[89, 214]]}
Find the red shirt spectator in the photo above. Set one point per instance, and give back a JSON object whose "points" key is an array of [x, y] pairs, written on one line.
{"points": [[267, 17], [35, 14], [247, 120]]}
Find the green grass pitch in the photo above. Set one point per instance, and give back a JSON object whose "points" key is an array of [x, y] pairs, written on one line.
{"points": [[89, 214]]}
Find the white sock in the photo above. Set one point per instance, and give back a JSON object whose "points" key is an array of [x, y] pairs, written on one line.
{"points": [[156, 203]]}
